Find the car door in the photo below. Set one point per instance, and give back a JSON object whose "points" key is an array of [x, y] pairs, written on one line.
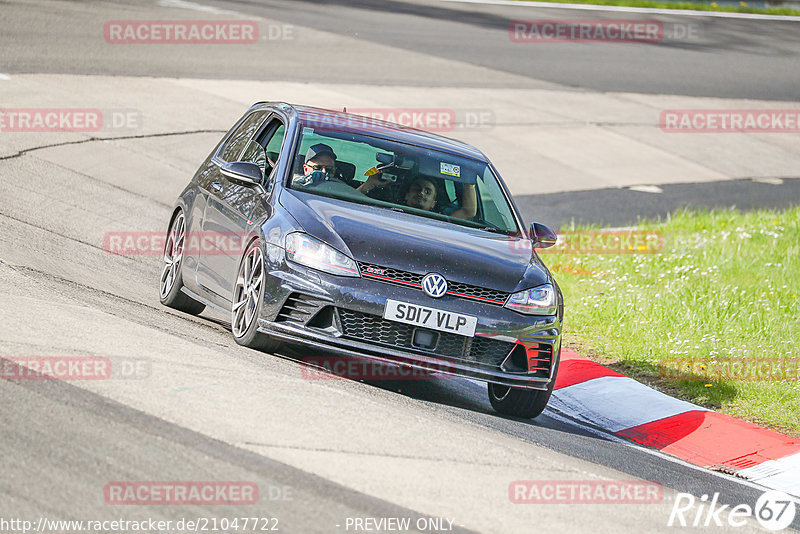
{"points": [[213, 186], [235, 210]]}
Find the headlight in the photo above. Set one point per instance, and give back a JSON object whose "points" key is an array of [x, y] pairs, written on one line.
{"points": [[305, 250], [540, 300]]}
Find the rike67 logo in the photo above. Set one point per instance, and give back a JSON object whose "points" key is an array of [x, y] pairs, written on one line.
{"points": [[774, 510]]}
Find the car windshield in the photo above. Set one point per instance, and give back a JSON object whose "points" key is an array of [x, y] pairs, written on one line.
{"points": [[402, 177]]}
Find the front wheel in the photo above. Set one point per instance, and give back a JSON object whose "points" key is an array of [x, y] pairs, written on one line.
{"points": [[248, 295], [520, 402]]}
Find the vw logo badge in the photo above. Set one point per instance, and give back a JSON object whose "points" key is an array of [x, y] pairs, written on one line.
{"points": [[434, 285]]}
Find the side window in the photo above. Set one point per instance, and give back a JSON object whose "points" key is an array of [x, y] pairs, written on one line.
{"points": [[240, 138], [488, 189]]}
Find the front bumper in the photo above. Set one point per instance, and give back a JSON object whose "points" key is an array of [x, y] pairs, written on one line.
{"points": [[305, 306]]}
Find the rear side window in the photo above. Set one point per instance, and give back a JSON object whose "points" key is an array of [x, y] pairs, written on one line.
{"points": [[241, 137]]}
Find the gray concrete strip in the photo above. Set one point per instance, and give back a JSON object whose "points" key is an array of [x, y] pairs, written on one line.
{"points": [[542, 141]]}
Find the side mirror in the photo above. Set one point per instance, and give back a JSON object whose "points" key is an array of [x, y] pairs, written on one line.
{"points": [[542, 236], [243, 172]]}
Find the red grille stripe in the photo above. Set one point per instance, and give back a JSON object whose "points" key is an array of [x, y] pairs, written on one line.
{"points": [[391, 279]]}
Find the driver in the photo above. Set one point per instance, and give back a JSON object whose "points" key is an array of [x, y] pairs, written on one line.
{"points": [[318, 166]]}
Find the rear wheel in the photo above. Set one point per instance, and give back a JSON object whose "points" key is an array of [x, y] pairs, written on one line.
{"points": [[171, 277], [248, 296], [519, 402]]}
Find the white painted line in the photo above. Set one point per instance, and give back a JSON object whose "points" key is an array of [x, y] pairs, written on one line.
{"points": [[616, 403], [4, 76], [762, 470], [785, 481], [768, 180], [183, 4], [646, 188], [624, 9]]}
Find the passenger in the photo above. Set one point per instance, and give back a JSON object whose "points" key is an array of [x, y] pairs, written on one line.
{"points": [[423, 193]]}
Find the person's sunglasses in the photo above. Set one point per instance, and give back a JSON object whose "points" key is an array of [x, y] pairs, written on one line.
{"points": [[330, 169]]}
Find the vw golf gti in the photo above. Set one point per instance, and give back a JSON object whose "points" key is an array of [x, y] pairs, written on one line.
{"points": [[368, 239]]}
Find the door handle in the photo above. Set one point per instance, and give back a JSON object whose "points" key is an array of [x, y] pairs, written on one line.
{"points": [[216, 186]]}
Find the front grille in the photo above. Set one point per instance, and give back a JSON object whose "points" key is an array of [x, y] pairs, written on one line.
{"points": [[457, 289], [390, 275], [370, 328], [477, 293]]}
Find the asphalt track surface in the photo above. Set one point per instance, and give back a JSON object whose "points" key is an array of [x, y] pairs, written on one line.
{"points": [[211, 410], [720, 57]]}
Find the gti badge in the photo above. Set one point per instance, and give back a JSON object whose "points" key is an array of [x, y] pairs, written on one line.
{"points": [[374, 270], [434, 285]]}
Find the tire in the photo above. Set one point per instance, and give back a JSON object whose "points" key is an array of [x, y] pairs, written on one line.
{"points": [[520, 402], [248, 297], [171, 275]]}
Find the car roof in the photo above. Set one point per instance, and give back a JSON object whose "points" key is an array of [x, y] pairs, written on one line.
{"points": [[378, 128]]}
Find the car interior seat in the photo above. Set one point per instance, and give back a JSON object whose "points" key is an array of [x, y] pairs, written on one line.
{"points": [[346, 172]]}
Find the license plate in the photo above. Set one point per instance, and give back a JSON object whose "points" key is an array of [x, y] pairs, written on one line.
{"points": [[441, 320]]}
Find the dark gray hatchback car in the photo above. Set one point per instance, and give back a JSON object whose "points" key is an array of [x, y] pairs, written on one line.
{"points": [[368, 240]]}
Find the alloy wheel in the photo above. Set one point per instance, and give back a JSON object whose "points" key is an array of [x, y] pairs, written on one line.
{"points": [[247, 292], [173, 254]]}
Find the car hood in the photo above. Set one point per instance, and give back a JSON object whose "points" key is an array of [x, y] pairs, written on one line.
{"points": [[411, 243]]}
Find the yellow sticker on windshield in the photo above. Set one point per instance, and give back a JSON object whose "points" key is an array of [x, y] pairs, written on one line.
{"points": [[450, 169], [371, 171]]}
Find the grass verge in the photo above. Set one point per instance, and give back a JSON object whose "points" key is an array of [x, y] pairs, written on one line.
{"points": [[693, 6], [714, 317]]}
